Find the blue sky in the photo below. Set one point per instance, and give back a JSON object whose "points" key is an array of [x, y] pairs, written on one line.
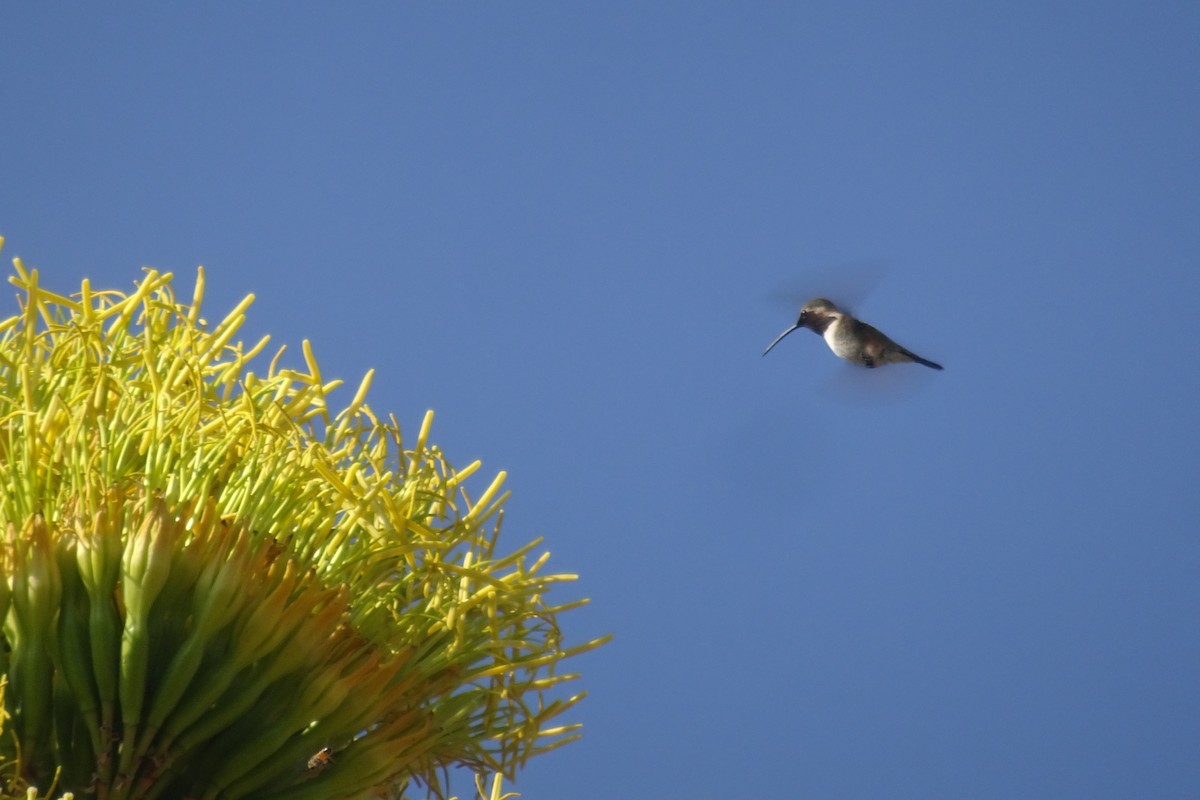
{"points": [[567, 229]]}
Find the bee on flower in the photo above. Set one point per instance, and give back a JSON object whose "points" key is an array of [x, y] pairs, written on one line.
{"points": [[320, 761]]}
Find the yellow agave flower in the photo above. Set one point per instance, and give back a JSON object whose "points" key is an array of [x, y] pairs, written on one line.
{"points": [[213, 586]]}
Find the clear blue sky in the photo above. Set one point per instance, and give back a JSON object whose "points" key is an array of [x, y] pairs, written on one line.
{"points": [[566, 227]]}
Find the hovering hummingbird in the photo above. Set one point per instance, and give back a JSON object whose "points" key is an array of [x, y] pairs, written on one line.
{"points": [[850, 338]]}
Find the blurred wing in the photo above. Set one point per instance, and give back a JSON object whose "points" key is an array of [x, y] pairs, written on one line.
{"points": [[847, 284]]}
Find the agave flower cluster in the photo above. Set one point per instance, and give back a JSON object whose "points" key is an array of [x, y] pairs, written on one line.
{"points": [[214, 586]]}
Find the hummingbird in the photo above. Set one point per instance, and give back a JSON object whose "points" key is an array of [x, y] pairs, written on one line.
{"points": [[850, 338]]}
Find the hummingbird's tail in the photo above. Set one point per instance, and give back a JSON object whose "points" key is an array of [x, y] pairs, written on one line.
{"points": [[922, 361]]}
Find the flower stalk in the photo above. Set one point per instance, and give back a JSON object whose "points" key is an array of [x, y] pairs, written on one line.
{"points": [[214, 585]]}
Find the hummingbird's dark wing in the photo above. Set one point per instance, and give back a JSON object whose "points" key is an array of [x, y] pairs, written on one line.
{"points": [[879, 349]]}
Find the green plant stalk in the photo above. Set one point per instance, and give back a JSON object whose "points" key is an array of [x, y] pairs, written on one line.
{"points": [[146, 569], [77, 701], [35, 597]]}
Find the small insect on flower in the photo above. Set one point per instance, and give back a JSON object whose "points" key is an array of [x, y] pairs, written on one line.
{"points": [[320, 761]]}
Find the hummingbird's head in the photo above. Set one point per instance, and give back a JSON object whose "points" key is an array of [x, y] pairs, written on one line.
{"points": [[817, 314]]}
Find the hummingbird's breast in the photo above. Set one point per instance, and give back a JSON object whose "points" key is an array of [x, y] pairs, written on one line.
{"points": [[841, 339]]}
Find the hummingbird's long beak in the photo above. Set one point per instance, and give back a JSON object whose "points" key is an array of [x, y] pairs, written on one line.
{"points": [[780, 337]]}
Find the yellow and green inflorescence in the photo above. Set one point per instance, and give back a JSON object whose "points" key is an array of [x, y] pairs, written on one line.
{"points": [[214, 586]]}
